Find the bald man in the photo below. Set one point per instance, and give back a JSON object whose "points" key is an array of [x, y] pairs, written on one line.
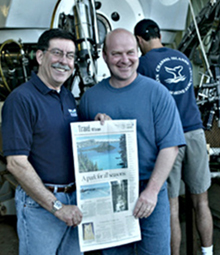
{"points": [[128, 95]]}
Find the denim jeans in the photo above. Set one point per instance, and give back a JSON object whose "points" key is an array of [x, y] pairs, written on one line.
{"points": [[42, 233], [155, 231]]}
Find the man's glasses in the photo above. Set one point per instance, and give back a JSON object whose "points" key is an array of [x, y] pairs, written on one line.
{"points": [[59, 54]]}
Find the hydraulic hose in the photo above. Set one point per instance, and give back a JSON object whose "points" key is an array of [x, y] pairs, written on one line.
{"points": [[1, 70]]}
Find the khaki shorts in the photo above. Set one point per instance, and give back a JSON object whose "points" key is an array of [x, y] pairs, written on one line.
{"points": [[191, 165]]}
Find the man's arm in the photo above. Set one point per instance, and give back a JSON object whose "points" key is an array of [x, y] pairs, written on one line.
{"points": [[27, 177], [148, 198]]}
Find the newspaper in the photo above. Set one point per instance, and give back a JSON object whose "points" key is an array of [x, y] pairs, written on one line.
{"points": [[106, 172]]}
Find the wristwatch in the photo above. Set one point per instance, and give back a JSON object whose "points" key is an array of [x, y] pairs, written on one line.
{"points": [[57, 205]]}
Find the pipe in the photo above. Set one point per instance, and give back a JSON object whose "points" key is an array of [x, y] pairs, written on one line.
{"points": [[200, 40]]}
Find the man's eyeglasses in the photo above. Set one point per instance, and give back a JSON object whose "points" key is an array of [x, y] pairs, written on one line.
{"points": [[59, 54]]}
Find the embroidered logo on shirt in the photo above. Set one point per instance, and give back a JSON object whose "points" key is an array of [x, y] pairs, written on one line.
{"points": [[176, 72], [72, 112]]}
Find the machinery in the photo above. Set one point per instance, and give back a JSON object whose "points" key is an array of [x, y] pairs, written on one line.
{"points": [[201, 43], [23, 21]]}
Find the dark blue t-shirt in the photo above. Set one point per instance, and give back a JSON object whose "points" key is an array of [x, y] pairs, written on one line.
{"points": [[36, 123], [173, 69], [158, 121]]}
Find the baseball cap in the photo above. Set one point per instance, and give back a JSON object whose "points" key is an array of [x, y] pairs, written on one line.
{"points": [[147, 28]]}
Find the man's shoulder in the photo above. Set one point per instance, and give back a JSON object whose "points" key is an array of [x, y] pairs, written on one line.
{"points": [[98, 86], [176, 52], [164, 50], [21, 91], [153, 87], [148, 81]]}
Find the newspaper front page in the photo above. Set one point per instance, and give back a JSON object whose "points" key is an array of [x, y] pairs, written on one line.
{"points": [[106, 172]]}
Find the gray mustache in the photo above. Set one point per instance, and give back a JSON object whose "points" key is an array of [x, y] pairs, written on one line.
{"points": [[58, 65]]}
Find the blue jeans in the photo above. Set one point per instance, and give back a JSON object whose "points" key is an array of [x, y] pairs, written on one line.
{"points": [[155, 231], [40, 232]]}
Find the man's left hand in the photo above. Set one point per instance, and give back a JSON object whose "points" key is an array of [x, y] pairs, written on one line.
{"points": [[145, 204], [102, 117]]}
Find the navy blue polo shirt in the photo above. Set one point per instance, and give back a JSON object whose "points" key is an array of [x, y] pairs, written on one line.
{"points": [[36, 123], [174, 70]]}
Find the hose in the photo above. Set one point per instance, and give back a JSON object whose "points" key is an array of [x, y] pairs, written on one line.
{"points": [[54, 13], [1, 70]]}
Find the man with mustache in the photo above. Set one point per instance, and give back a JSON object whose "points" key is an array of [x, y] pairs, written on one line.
{"points": [[36, 121]]}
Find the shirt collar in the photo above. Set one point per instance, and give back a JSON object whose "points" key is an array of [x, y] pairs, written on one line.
{"points": [[38, 83]]}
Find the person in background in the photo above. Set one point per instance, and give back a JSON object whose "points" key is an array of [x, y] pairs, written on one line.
{"points": [[128, 95], [36, 119], [173, 69]]}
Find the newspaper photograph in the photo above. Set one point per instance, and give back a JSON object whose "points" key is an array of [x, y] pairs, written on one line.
{"points": [[106, 173]]}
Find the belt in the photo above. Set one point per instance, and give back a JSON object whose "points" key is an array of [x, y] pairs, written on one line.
{"points": [[65, 189]]}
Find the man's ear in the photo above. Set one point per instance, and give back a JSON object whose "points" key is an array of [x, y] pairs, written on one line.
{"points": [[139, 39], [39, 56]]}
